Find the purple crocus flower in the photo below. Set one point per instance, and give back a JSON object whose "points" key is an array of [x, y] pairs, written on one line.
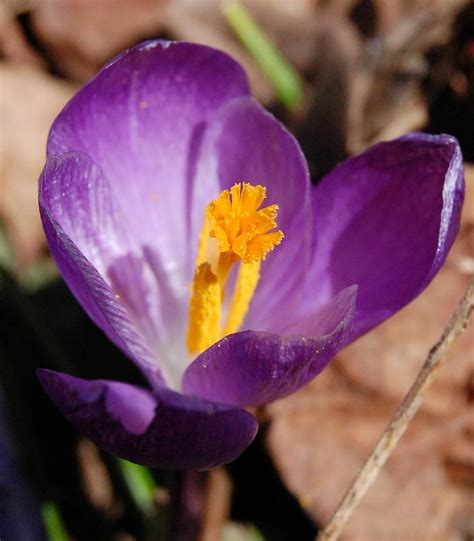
{"points": [[151, 200]]}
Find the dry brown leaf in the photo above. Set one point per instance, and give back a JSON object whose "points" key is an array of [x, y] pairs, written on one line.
{"points": [[391, 12], [81, 36], [320, 437], [14, 46], [29, 102], [388, 97]]}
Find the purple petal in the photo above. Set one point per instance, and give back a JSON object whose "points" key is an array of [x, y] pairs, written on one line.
{"points": [[140, 120], [98, 300], [161, 430], [252, 368], [85, 281], [135, 304], [385, 220], [245, 143]]}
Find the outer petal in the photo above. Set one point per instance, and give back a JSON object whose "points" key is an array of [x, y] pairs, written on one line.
{"points": [[160, 430], [91, 242], [141, 120], [75, 194], [251, 368], [243, 142], [385, 220]]}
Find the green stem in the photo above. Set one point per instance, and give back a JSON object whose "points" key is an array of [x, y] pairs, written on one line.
{"points": [[53, 523], [283, 77]]}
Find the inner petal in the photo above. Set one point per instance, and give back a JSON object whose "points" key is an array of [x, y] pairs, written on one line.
{"points": [[242, 129]]}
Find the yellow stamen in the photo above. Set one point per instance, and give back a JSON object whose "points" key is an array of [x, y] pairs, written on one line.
{"points": [[205, 310], [235, 230], [247, 280]]}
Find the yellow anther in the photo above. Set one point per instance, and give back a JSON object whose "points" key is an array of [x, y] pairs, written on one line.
{"points": [[239, 227], [235, 230]]}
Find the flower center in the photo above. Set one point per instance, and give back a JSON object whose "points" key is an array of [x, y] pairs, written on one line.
{"points": [[235, 230]]}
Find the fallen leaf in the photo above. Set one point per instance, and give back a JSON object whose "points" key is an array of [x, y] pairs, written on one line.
{"points": [[29, 102], [389, 98], [79, 37], [14, 46]]}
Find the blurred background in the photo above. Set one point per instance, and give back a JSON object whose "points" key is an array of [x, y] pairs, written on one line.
{"points": [[349, 73]]}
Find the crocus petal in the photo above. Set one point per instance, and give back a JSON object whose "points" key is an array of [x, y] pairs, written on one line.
{"points": [[75, 194], [98, 300], [140, 120], [243, 142], [162, 429], [252, 368], [385, 220]]}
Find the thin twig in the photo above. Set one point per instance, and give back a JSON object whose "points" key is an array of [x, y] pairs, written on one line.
{"points": [[401, 419]]}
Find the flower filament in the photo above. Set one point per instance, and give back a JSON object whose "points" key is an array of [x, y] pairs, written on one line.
{"points": [[235, 231]]}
